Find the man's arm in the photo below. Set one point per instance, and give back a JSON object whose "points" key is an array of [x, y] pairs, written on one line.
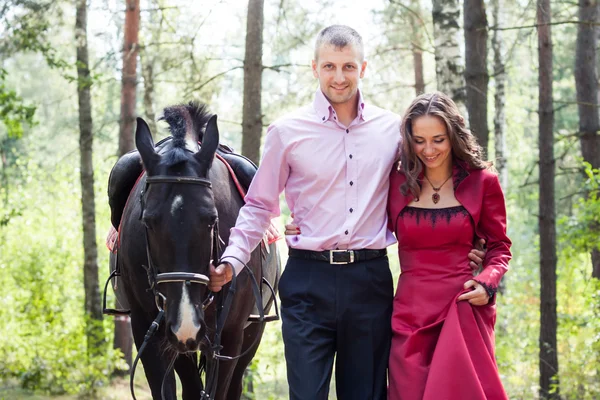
{"points": [[262, 204]]}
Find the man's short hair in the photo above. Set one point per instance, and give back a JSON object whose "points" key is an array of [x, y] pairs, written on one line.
{"points": [[339, 36]]}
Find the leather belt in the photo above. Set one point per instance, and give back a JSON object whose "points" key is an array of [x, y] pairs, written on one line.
{"points": [[338, 256]]}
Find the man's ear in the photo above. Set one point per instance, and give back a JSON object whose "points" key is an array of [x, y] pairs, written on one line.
{"points": [[314, 69], [362, 69]]}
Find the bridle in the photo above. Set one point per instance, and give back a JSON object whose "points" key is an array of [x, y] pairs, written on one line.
{"points": [[155, 279]]}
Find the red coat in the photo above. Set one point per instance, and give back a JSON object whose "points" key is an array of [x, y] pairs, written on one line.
{"points": [[479, 191]]}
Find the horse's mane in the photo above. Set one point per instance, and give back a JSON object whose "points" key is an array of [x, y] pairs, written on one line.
{"points": [[183, 118]]}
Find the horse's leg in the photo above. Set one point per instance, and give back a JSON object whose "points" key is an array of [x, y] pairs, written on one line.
{"points": [[153, 358], [187, 369], [232, 344], [237, 380]]}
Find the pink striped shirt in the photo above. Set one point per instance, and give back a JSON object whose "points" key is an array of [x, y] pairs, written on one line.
{"points": [[335, 180]]}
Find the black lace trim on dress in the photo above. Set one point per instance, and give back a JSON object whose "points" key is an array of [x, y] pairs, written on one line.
{"points": [[433, 214], [490, 289]]}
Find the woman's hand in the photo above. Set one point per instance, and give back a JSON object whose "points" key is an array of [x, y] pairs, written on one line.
{"points": [[478, 296], [291, 229]]}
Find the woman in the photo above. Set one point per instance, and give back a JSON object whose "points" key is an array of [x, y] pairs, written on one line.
{"points": [[441, 196]]}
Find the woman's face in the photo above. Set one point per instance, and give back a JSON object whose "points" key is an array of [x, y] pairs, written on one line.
{"points": [[431, 142]]}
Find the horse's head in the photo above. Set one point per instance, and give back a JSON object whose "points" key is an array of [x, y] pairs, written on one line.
{"points": [[180, 217]]}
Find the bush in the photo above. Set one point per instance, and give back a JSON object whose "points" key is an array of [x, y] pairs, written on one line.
{"points": [[43, 340]]}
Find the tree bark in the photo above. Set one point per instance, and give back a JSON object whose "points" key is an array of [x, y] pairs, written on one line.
{"points": [[586, 83], [549, 383], [252, 110], [499, 97], [148, 75], [417, 46], [129, 76], [93, 308], [449, 64], [122, 338], [476, 74], [418, 68]]}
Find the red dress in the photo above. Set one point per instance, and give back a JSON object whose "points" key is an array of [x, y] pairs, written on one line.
{"points": [[441, 348]]}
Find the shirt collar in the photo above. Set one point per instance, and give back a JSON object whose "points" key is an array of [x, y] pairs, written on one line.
{"points": [[325, 111]]}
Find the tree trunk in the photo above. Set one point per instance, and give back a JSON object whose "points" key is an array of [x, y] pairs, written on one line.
{"points": [[252, 111], [418, 67], [449, 65], [586, 82], [148, 75], [129, 75], [549, 388], [417, 47], [499, 97], [93, 305], [476, 74], [122, 338]]}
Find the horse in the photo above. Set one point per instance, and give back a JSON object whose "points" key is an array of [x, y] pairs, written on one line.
{"points": [[180, 212]]}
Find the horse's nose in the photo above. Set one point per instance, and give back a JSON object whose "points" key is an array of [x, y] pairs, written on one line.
{"points": [[184, 345]]}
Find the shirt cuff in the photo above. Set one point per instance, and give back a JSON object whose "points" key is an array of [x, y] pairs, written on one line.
{"points": [[236, 258]]}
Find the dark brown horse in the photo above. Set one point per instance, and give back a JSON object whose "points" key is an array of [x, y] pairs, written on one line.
{"points": [[169, 238]]}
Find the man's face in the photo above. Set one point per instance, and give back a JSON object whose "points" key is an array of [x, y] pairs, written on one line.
{"points": [[339, 70]]}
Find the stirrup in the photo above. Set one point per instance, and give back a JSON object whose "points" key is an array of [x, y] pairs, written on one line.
{"points": [[255, 318], [112, 311]]}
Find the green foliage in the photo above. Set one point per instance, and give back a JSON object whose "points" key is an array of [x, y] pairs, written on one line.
{"points": [[29, 27], [13, 112], [582, 228], [43, 341]]}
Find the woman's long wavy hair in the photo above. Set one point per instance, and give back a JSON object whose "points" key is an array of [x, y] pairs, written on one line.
{"points": [[463, 142]]}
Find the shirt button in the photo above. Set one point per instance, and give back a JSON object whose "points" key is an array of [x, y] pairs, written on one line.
{"points": [[334, 117], [323, 118], [350, 155], [351, 183], [347, 130], [352, 210], [346, 232]]}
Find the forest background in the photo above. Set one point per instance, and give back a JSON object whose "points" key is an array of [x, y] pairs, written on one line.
{"points": [[73, 75]]}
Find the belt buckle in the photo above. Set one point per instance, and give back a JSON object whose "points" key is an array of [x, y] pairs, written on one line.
{"points": [[331, 260]]}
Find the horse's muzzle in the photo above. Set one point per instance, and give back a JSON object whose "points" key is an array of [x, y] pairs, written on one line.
{"points": [[186, 344]]}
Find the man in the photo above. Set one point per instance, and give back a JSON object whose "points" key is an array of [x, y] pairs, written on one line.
{"points": [[333, 159]]}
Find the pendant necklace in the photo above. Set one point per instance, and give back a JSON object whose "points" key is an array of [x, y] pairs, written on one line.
{"points": [[436, 196]]}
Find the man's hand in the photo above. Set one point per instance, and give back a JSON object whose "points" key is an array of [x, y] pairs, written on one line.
{"points": [[478, 296], [220, 276], [477, 255]]}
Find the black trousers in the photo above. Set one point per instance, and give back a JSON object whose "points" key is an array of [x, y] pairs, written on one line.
{"points": [[342, 311]]}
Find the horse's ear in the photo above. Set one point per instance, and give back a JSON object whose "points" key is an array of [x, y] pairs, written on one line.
{"points": [[145, 144], [210, 142]]}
